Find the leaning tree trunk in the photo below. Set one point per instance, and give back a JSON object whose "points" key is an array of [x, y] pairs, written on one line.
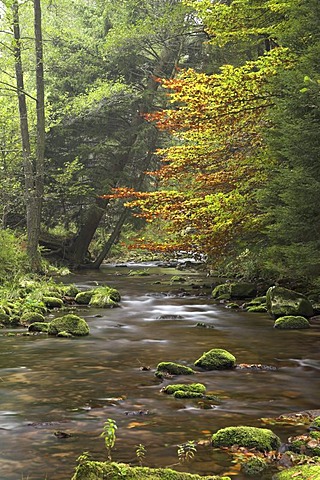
{"points": [[79, 247]]}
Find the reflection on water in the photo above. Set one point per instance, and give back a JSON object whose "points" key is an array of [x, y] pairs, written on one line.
{"points": [[74, 385]]}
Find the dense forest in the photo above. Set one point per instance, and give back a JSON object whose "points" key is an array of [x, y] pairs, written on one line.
{"points": [[162, 126]]}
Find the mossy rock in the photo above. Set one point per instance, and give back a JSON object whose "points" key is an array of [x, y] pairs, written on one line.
{"points": [[90, 470], [69, 323], [105, 297], [234, 290], [173, 369], [64, 335], [302, 472], [291, 322], [261, 439], [70, 290], [177, 279], [257, 309], [315, 425], [184, 390], [216, 359], [257, 301], [223, 289], [52, 302], [41, 327], [83, 298], [283, 302], [31, 317], [306, 444], [254, 466]]}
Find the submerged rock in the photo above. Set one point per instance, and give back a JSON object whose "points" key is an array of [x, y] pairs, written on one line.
{"points": [[261, 439], [282, 302], [90, 470], [290, 322], [216, 359], [71, 324]]}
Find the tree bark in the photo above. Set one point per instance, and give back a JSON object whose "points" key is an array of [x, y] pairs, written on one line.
{"points": [[32, 166]]}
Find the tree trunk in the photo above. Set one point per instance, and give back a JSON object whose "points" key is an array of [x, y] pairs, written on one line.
{"points": [[79, 248], [33, 175], [40, 144]]}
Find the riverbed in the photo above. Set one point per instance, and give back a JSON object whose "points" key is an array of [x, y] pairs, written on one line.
{"points": [[56, 393]]}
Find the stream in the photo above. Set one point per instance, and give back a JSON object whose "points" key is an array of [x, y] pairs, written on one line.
{"points": [[50, 385]]}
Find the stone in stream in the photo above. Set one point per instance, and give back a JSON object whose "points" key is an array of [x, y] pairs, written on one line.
{"points": [[261, 439], [216, 359], [172, 368], [282, 302], [70, 323], [290, 322]]}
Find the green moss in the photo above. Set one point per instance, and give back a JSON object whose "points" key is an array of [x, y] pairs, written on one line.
{"points": [[64, 335], [120, 471], [174, 368], [257, 309], [83, 298], [31, 317], [254, 466], [302, 472], [262, 439], [216, 359], [315, 424], [105, 297], [257, 301], [39, 327], [69, 323], [223, 289], [69, 290], [282, 301], [193, 387], [52, 302], [291, 322]]}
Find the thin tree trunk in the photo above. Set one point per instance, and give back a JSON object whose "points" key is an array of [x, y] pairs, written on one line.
{"points": [[33, 167], [39, 165]]}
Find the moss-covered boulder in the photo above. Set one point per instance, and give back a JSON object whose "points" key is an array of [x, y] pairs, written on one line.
{"points": [[290, 322], [69, 323], [254, 466], [69, 290], [52, 302], [257, 309], [235, 290], [172, 368], [119, 471], [184, 390], [83, 298], [282, 302], [261, 439], [301, 472], [31, 317], [222, 291], [40, 327], [216, 359], [105, 297]]}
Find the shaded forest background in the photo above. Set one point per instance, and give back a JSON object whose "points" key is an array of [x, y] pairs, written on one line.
{"points": [[201, 118]]}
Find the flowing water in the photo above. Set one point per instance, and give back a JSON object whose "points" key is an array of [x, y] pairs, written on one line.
{"points": [[74, 385]]}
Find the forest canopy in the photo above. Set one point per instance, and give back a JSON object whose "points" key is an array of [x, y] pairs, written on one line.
{"points": [[199, 117]]}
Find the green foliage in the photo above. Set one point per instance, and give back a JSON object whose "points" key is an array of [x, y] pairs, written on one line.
{"points": [[13, 259], [187, 451], [109, 435], [141, 453]]}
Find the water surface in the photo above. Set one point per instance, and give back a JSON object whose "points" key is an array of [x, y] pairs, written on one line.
{"points": [[75, 385]]}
